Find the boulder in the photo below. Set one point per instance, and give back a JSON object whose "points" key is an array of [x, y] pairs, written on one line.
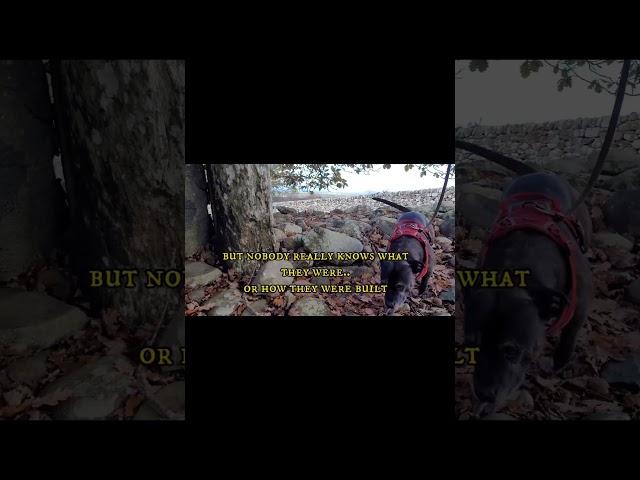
{"points": [[97, 389], [622, 212], [223, 303], [199, 274], [32, 321], [308, 306], [170, 396], [321, 240], [269, 273]]}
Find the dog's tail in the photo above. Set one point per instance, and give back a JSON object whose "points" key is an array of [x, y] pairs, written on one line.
{"points": [[502, 160], [395, 205]]}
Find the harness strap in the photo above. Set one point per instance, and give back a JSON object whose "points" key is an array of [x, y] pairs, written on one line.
{"points": [[538, 212], [410, 228]]}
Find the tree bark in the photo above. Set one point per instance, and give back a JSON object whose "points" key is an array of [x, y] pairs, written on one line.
{"points": [[196, 219], [241, 205], [27, 183], [122, 127]]}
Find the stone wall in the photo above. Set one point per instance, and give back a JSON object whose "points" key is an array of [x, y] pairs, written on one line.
{"points": [[537, 142]]}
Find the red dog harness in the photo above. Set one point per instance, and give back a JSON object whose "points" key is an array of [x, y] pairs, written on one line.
{"points": [[411, 228], [539, 212]]}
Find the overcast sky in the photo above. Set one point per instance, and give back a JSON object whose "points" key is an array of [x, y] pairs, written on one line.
{"points": [[500, 95], [393, 180]]}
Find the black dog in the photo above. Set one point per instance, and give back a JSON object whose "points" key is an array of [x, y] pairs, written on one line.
{"points": [[412, 234], [509, 325]]}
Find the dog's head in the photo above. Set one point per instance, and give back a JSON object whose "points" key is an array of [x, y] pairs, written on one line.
{"points": [[509, 328], [399, 279]]}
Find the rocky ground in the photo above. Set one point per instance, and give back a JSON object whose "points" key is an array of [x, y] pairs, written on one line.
{"points": [[411, 199], [355, 224], [603, 382], [58, 362]]}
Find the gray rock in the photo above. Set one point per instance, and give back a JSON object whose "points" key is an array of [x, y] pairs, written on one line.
{"points": [[256, 308], [199, 274], [627, 180], [98, 389], [622, 212], [290, 228], [357, 271], [365, 227], [361, 209], [618, 160], [447, 227], [615, 415], [445, 243], [223, 303], [291, 243], [278, 235], [626, 372], [32, 321], [448, 295], [290, 298], [348, 227], [477, 205], [386, 224], [320, 280], [307, 306], [321, 240], [170, 396], [279, 218], [613, 244], [525, 400], [301, 223], [198, 294], [567, 165], [592, 132], [269, 273], [447, 206], [29, 370], [286, 210]]}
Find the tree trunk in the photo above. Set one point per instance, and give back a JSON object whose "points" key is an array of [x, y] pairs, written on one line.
{"points": [[27, 183], [241, 204], [123, 159], [196, 219]]}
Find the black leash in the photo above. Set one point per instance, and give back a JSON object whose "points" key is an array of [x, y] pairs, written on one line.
{"points": [[613, 122], [444, 187]]}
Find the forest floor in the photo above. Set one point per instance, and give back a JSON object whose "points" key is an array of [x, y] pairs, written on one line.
{"points": [[66, 363]]}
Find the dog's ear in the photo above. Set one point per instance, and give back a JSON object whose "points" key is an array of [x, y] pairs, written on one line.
{"points": [[549, 302]]}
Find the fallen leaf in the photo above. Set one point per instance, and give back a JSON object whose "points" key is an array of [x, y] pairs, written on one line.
{"points": [[53, 398], [132, 404]]}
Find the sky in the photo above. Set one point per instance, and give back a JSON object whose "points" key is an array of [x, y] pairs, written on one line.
{"points": [[500, 95], [393, 180]]}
